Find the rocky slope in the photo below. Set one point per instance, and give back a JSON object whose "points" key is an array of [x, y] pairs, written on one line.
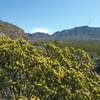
{"points": [[11, 30]]}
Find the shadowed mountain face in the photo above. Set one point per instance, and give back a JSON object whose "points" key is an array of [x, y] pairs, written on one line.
{"points": [[82, 32]]}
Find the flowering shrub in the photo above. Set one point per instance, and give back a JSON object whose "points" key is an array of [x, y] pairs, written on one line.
{"points": [[48, 73]]}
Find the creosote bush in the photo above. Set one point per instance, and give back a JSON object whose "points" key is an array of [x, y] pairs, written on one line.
{"points": [[48, 73]]}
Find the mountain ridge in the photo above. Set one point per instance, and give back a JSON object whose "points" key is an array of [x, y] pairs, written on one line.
{"points": [[81, 32]]}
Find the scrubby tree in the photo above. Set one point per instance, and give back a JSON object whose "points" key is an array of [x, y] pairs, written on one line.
{"points": [[46, 73]]}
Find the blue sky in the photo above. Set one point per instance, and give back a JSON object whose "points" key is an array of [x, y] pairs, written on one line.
{"points": [[50, 15]]}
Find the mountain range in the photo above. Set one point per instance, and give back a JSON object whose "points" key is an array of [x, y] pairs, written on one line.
{"points": [[80, 33]]}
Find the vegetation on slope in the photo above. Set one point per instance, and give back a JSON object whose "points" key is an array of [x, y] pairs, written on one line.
{"points": [[49, 73], [92, 47]]}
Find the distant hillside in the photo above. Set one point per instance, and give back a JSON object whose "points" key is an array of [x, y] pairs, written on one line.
{"points": [[38, 36], [11, 30], [80, 33], [83, 32]]}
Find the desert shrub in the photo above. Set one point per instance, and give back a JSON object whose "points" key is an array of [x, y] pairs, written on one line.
{"points": [[48, 73]]}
